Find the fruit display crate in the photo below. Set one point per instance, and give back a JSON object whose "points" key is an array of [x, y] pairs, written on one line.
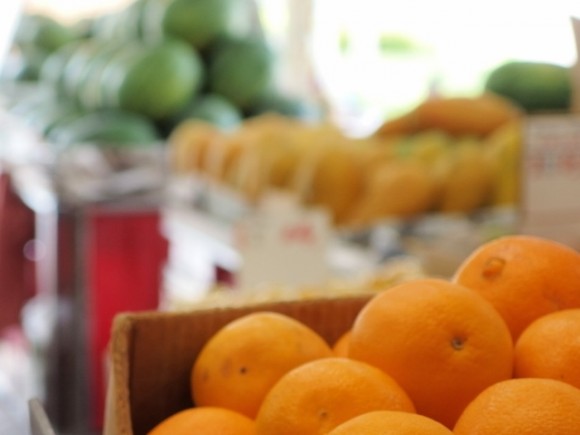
{"points": [[151, 354], [201, 217], [204, 253], [39, 422], [97, 233]]}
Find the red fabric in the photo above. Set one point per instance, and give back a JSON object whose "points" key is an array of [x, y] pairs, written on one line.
{"points": [[126, 254], [225, 277], [17, 283]]}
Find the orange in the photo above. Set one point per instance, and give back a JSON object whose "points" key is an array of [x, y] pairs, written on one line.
{"points": [[390, 423], [340, 347], [239, 364], [524, 277], [205, 421], [550, 348], [318, 396], [531, 406], [443, 343], [394, 188], [459, 116]]}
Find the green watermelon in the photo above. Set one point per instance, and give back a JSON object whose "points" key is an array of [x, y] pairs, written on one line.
{"points": [[241, 70], [199, 22], [107, 128], [283, 104], [60, 125], [114, 72], [534, 86], [52, 70], [76, 67], [116, 26], [48, 115], [214, 109], [89, 89], [43, 32], [32, 58], [162, 81]]}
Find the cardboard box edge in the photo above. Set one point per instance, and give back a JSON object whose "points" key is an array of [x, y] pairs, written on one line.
{"points": [[128, 326], [117, 413]]}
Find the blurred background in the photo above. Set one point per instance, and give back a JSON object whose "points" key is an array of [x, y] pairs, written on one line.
{"points": [[397, 55], [173, 154]]}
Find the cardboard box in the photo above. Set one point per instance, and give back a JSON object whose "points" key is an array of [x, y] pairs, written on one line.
{"points": [[39, 422], [575, 21], [152, 354]]}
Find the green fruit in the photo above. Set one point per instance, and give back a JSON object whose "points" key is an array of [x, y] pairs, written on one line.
{"points": [[282, 104], [27, 104], [535, 86], [52, 71], [30, 111], [43, 32], [49, 115], [213, 109], [199, 22], [150, 26], [89, 89], [117, 26], [76, 67], [241, 70], [107, 128], [147, 18], [162, 81], [114, 73], [61, 125], [83, 28], [31, 60]]}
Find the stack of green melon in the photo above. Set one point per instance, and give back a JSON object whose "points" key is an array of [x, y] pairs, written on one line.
{"points": [[536, 87], [133, 75]]}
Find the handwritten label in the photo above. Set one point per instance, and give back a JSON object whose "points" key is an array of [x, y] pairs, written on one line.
{"points": [[551, 177], [283, 244]]}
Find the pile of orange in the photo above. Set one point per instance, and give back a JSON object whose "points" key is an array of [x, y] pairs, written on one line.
{"points": [[494, 350]]}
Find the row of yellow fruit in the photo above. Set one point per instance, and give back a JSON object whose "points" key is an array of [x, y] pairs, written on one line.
{"points": [[445, 164], [492, 351]]}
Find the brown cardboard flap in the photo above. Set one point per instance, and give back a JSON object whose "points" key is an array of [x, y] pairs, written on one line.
{"points": [[152, 354], [117, 411], [575, 106], [39, 422]]}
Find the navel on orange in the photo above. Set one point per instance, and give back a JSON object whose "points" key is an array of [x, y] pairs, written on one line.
{"points": [[442, 342], [242, 361], [524, 277], [318, 396]]}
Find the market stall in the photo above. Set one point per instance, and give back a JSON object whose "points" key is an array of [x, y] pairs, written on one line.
{"points": [[187, 163]]}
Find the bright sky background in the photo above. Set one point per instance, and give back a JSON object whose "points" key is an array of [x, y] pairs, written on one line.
{"points": [[463, 39], [69, 10]]}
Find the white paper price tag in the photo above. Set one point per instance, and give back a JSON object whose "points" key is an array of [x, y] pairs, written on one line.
{"points": [[283, 244], [551, 178]]}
